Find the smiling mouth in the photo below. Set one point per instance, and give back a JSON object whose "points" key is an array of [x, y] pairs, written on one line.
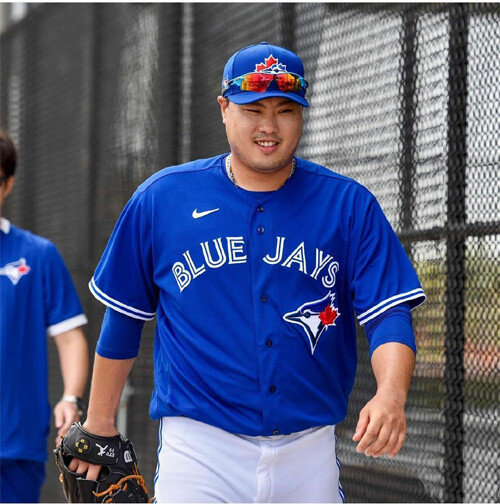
{"points": [[266, 143]]}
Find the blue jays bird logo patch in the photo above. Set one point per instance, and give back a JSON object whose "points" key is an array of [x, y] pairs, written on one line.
{"points": [[15, 270], [315, 318]]}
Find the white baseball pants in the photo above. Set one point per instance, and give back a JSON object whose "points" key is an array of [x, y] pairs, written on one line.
{"points": [[201, 463]]}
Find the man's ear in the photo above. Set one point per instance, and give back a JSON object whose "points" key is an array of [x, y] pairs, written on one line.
{"points": [[224, 104], [8, 185]]}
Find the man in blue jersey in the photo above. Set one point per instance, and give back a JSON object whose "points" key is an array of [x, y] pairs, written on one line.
{"points": [[37, 299], [255, 264]]}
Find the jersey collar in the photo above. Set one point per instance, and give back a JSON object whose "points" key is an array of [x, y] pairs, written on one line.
{"points": [[5, 225], [243, 201]]}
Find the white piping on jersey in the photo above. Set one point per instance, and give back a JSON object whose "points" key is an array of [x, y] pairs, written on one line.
{"points": [[399, 298], [389, 299], [108, 301], [160, 446], [5, 225], [67, 325], [341, 490]]}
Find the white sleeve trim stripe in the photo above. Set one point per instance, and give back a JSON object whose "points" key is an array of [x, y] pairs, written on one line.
{"points": [[116, 308], [98, 292], [397, 296], [67, 325], [394, 303]]}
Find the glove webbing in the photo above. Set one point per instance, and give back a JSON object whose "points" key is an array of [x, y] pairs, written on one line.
{"points": [[117, 486]]}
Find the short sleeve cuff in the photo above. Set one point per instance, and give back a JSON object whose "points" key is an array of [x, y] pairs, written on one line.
{"points": [[114, 353], [67, 325], [117, 305], [414, 297], [404, 339]]}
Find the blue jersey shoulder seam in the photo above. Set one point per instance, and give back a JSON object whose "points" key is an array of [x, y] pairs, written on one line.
{"points": [[39, 242], [176, 169], [330, 174]]}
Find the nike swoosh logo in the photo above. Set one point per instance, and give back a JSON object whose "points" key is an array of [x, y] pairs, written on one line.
{"points": [[197, 215]]}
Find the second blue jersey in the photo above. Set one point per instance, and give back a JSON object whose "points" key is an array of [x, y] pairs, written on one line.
{"points": [[37, 299], [255, 293]]}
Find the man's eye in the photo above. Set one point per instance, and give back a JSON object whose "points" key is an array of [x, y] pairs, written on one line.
{"points": [[253, 110], [284, 111]]}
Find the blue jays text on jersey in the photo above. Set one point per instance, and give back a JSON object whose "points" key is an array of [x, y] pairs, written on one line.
{"points": [[255, 292], [185, 273], [37, 298]]}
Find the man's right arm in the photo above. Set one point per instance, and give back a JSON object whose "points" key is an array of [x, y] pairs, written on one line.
{"points": [[116, 351], [108, 379]]}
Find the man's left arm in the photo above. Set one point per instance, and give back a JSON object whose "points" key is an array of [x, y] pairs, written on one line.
{"points": [[74, 361], [384, 288], [381, 427]]}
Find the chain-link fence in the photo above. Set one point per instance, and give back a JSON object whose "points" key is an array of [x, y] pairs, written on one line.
{"points": [[405, 99]]}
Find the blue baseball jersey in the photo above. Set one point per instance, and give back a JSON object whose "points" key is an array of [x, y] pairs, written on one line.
{"points": [[37, 298], [255, 293]]}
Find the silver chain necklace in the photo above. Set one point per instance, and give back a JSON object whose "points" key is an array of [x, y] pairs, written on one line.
{"points": [[231, 175]]}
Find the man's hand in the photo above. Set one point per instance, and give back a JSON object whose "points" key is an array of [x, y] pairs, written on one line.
{"points": [[112, 455], [108, 381], [381, 426], [65, 414], [80, 466]]}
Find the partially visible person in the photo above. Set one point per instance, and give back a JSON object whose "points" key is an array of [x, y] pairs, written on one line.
{"points": [[37, 299]]}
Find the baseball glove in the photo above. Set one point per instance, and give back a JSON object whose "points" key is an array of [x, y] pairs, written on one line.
{"points": [[119, 479]]}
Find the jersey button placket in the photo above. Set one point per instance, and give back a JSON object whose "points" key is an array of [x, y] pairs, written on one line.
{"points": [[263, 276]]}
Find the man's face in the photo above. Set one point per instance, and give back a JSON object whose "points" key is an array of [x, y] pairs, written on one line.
{"points": [[265, 134]]}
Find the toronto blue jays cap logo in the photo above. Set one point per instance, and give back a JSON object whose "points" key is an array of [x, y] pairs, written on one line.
{"points": [[270, 65], [15, 270], [315, 317]]}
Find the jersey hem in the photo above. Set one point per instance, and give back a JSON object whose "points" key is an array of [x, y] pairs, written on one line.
{"points": [[117, 305], [390, 302], [67, 325]]}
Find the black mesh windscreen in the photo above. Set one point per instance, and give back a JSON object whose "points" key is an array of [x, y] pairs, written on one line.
{"points": [[404, 98]]}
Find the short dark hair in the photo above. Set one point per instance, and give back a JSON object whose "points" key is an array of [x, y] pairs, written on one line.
{"points": [[8, 154]]}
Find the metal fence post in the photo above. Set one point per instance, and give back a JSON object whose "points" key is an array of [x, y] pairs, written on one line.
{"points": [[454, 375], [28, 136], [288, 25], [188, 14], [93, 139], [168, 85], [409, 105]]}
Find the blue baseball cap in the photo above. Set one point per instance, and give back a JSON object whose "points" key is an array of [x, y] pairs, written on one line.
{"points": [[265, 58]]}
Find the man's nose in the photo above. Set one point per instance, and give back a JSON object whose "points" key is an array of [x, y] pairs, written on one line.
{"points": [[268, 124]]}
